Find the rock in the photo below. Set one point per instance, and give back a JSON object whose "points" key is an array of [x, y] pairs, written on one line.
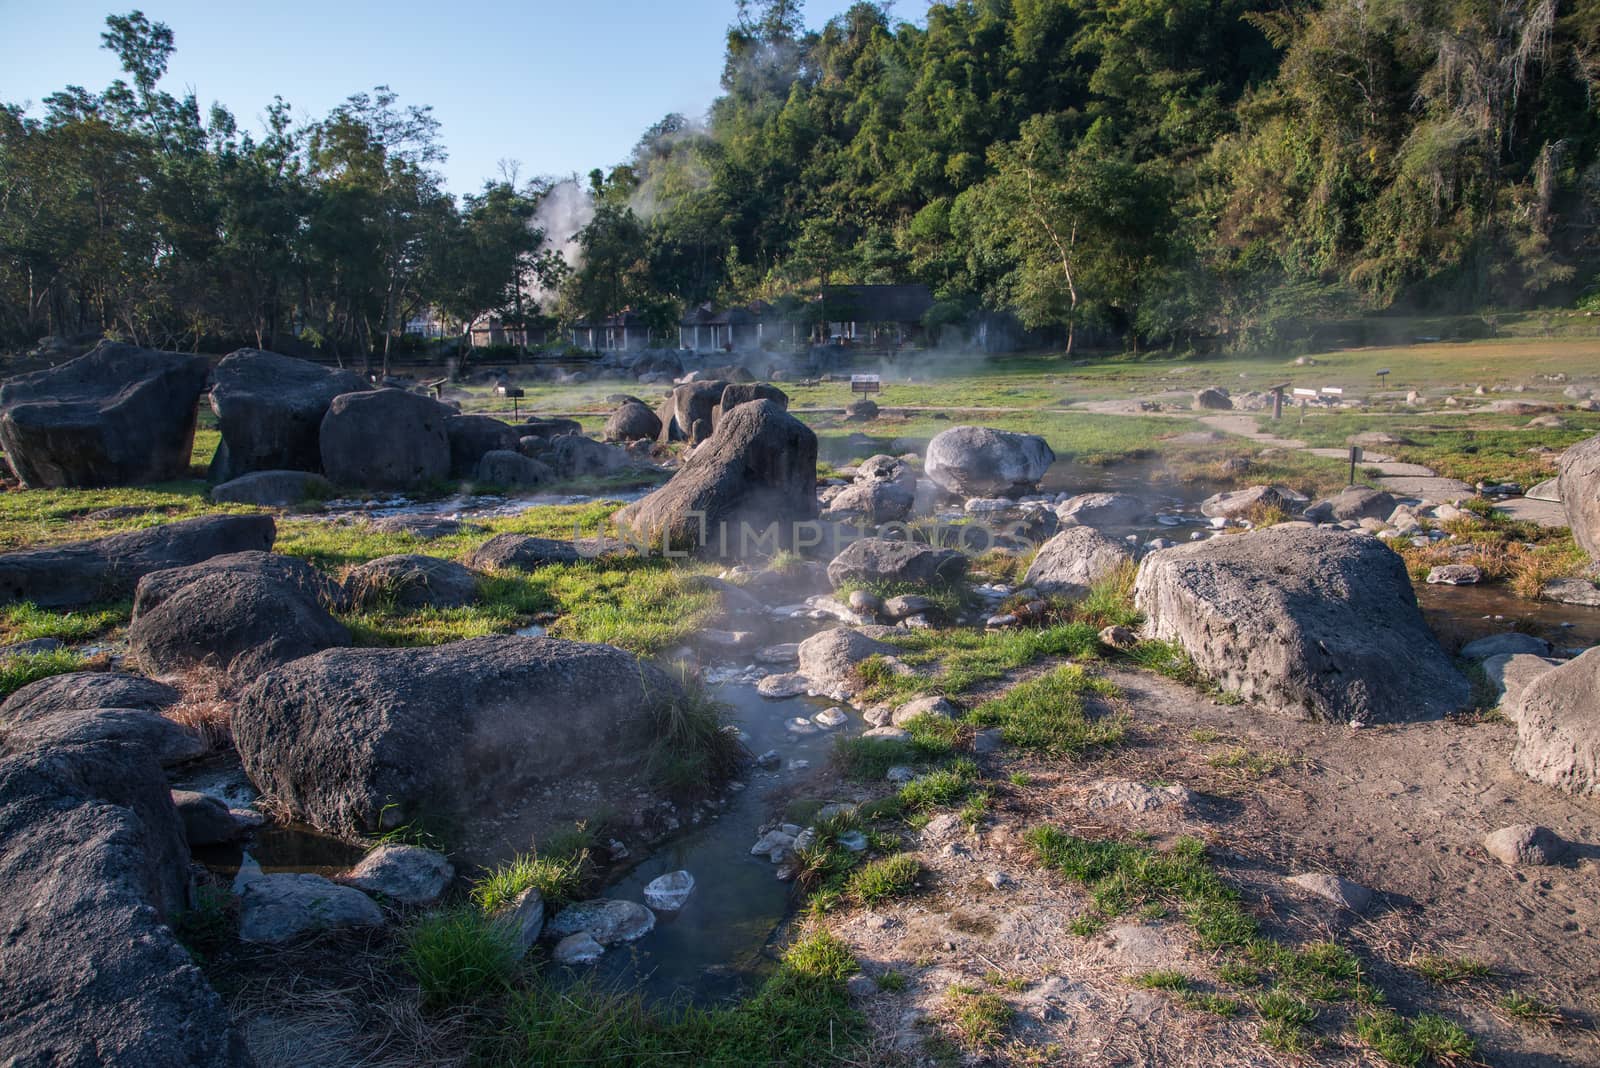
{"points": [[86, 572], [737, 393], [206, 819], [774, 845], [606, 920], [1073, 561], [241, 615], [900, 774], [1455, 575], [32, 647], [1558, 733], [1317, 622], [410, 581], [580, 948], [1578, 485], [1510, 673], [1212, 399], [157, 586], [1354, 503], [923, 706], [270, 410], [386, 439], [169, 742], [875, 560], [1525, 843], [1507, 642], [694, 402], [1238, 504], [359, 741], [94, 872], [888, 734], [770, 760], [871, 502], [906, 605], [669, 892], [782, 686], [632, 421], [975, 461], [573, 457], [472, 437], [1578, 591], [1549, 491], [548, 429], [861, 411], [424, 527], [999, 880], [512, 470], [82, 691], [987, 740], [1138, 796], [274, 909], [828, 660], [273, 489], [747, 489], [1346, 895], [829, 718], [882, 468], [117, 416], [1119, 637], [407, 874], [782, 653], [523, 920], [523, 553], [1101, 510]]}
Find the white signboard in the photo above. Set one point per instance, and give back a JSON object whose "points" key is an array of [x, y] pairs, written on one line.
{"points": [[1305, 393], [863, 378]]}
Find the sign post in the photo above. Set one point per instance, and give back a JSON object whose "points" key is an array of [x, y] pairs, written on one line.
{"points": [[1304, 396], [1277, 399], [866, 384], [1355, 458]]}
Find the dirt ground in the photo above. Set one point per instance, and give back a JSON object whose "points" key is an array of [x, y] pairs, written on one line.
{"points": [[1400, 810]]}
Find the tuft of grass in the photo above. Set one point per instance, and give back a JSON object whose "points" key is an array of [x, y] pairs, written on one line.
{"points": [[945, 786], [869, 759], [17, 671], [962, 659], [891, 981], [459, 957], [1049, 713], [559, 878], [1249, 762], [1215, 1004], [1528, 1008], [1409, 1042], [1163, 979], [26, 622], [1204, 735], [980, 1018], [1109, 602], [1020, 779], [884, 879], [1443, 970], [693, 749]]}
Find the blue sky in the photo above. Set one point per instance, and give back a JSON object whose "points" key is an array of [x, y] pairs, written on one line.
{"points": [[559, 86]]}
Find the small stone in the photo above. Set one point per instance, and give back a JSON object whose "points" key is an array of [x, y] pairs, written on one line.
{"points": [[1455, 575], [854, 841], [770, 760], [523, 920], [987, 740], [580, 948], [1525, 843], [206, 819], [279, 908], [778, 687], [669, 892], [865, 603], [1341, 892], [923, 706], [800, 725], [786, 653], [607, 920], [890, 734], [900, 774], [774, 845], [1119, 637], [830, 718], [407, 874], [999, 880]]}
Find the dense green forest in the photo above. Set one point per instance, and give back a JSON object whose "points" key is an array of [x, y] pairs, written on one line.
{"points": [[1159, 172]]}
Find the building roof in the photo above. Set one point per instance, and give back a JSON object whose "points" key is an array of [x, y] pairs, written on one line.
{"points": [[876, 304]]}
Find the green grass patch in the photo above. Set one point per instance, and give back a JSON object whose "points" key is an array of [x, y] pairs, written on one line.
{"points": [[27, 622], [17, 671], [1424, 1039], [962, 659], [801, 1017], [1049, 713], [1163, 979], [1442, 970], [979, 1017], [1528, 1008], [559, 878], [459, 957], [884, 879]]}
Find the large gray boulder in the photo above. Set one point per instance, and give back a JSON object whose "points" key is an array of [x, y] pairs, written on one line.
{"points": [[117, 416], [1073, 561], [78, 690], [512, 469], [1558, 726], [472, 436], [94, 871], [273, 489], [284, 906], [975, 461], [86, 707], [871, 502], [410, 581], [358, 741], [574, 456], [694, 403], [1579, 487], [740, 493], [242, 616], [157, 586], [270, 409], [1312, 621], [523, 553], [386, 439], [107, 569], [737, 393], [1238, 504], [829, 659], [632, 421], [879, 560]]}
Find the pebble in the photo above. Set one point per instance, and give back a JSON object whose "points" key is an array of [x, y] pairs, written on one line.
{"points": [[769, 760], [831, 717], [1525, 843], [800, 725], [999, 880]]}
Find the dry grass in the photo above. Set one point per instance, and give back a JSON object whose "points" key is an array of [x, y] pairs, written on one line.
{"points": [[206, 705]]}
